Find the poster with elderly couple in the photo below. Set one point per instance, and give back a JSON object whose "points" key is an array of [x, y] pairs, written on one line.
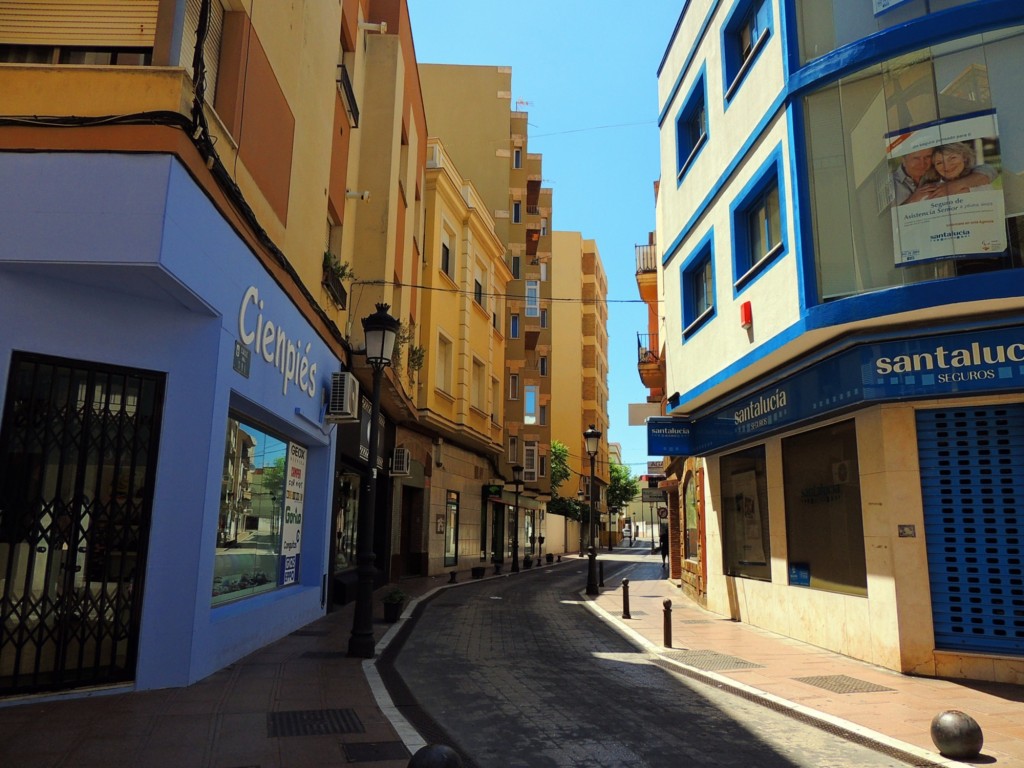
{"points": [[947, 197]]}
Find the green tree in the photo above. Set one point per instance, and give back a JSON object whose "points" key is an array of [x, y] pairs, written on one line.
{"points": [[559, 468], [622, 488]]}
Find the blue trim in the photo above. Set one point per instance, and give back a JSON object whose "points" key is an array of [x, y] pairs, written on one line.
{"points": [[735, 69], [686, 151], [803, 225], [716, 189], [769, 173], [683, 70], [672, 37], [702, 253], [939, 121], [922, 32]]}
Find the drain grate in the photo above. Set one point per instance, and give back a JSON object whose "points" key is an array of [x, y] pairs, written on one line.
{"points": [[695, 621], [372, 751], [842, 684], [313, 722], [710, 661]]}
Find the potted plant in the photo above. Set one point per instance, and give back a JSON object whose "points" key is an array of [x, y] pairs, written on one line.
{"points": [[393, 603]]}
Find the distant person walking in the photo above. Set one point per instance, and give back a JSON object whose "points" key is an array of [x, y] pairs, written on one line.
{"points": [[663, 538]]}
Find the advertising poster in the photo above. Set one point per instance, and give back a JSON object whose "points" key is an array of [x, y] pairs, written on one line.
{"points": [[294, 492], [749, 518], [881, 6], [947, 190]]}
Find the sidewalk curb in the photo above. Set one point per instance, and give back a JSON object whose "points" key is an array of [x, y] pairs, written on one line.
{"points": [[909, 753]]}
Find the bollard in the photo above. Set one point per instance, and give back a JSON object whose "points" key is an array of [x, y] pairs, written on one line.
{"points": [[668, 622], [452, 579], [435, 756], [625, 599], [600, 573], [957, 735]]}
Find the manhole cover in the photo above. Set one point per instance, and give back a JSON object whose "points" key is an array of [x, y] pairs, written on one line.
{"points": [[842, 684], [710, 661], [370, 751], [313, 722]]}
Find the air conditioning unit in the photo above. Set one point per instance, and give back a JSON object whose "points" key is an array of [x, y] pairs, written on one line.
{"points": [[344, 402], [401, 462]]}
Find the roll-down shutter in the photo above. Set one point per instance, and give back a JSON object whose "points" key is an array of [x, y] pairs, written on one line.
{"points": [[79, 23], [972, 482], [211, 49]]}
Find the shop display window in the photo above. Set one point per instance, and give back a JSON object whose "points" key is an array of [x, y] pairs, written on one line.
{"points": [[824, 523], [747, 547], [691, 540], [252, 507], [346, 521]]}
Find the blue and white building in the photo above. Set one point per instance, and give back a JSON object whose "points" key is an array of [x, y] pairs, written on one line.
{"points": [[839, 226]]}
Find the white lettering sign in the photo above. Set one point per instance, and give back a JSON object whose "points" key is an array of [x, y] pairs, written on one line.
{"points": [[271, 343]]}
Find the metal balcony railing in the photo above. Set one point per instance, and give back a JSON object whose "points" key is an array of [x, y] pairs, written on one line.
{"points": [[646, 258], [345, 84], [647, 348]]}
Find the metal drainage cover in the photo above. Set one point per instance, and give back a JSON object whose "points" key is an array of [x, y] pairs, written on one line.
{"points": [[842, 684], [313, 722], [368, 752], [710, 661]]}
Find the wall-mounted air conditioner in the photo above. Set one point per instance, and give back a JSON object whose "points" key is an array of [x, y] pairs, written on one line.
{"points": [[401, 462], [344, 403]]}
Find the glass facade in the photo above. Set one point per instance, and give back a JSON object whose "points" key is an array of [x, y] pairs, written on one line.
{"points": [[863, 134], [747, 547]]}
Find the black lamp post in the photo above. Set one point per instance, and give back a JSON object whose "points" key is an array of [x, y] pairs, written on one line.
{"points": [[517, 479], [579, 508], [380, 330], [593, 440]]}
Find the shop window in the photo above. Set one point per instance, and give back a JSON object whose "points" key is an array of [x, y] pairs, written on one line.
{"points": [[697, 286], [690, 513], [347, 500], [260, 513], [744, 35], [758, 224], [692, 126], [451, 528], [746, 544], [860, 133], [824, 522]]}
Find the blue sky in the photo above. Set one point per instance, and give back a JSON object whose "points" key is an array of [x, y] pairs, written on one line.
{"points": [[588, 70]]}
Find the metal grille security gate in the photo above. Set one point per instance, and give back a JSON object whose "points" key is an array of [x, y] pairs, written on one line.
{"points": [[78, 451], [972, 481]]}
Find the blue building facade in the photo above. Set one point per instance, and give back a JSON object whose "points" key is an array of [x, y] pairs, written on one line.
{"points": [[165, 469], [841, 273]]}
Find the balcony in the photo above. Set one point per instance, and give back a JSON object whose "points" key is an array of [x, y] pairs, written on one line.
{"points": [[646, 259], [649, 364], [345, 86]]}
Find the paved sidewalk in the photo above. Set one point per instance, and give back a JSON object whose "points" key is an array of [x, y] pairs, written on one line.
{"points": [[302, 702]]}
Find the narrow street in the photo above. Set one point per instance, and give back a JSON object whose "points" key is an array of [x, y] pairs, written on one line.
{"points": [[517, 672]]}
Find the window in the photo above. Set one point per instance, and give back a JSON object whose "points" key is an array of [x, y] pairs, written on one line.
{"points": [[516, 266], [517, 212], [744, 35], [691, 126], [542, 415], [517, 158], [513, 450], [544, 226], [255, 511], [495, 399], [543, 466], [697, 286], [478, 288], [746, 550], [543, 318], [542, 364], [691, 542], [531, 403], [532, 298], [513, 326], [443, 373], [758, 223], [479, 394], [824, 523], [447, 257], [543, 271], [513, 386], [530, 461], [451, 528]]}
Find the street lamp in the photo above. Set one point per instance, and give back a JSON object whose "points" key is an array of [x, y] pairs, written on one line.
{"points": [[593, 440], [380, 330], [579, 509], [517, 479]]}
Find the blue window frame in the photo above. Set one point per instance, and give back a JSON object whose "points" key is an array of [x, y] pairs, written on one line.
{"points": [[697, 286], [744, 35], [758, 218], [692, 126]]}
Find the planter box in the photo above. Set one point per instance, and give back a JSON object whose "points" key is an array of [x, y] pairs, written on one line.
{"points": [[392, 612]]}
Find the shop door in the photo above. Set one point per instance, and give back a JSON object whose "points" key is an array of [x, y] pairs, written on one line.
{"points": [[78, 450], [498, 542], [972, 482]]}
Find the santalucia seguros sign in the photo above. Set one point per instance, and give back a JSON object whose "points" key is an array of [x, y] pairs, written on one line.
{"points": [[904, 369]]}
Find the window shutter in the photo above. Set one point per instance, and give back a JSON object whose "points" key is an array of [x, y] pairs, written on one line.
{"points": [[82, 23]]}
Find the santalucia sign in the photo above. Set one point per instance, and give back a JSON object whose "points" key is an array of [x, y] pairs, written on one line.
{"points": [[973, 362]]}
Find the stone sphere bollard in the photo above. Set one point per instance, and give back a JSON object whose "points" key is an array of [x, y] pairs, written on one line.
{"points": [[435, 756], [957, 735]]}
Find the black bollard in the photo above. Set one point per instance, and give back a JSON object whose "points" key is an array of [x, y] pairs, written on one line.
{"points": [[668, 622], [625, 599], [452, 579], [600, 573], [957, 735], [435, 756]]}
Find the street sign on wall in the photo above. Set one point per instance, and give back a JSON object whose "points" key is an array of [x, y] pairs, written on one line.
{"points": [[652, 495]]}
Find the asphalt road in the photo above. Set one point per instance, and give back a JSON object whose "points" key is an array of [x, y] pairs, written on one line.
{"points": [[517, 672]]}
